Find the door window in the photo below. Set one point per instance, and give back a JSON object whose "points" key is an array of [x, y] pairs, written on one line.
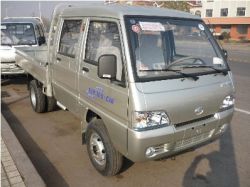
{"points": [[103, 38], [69, 37]]}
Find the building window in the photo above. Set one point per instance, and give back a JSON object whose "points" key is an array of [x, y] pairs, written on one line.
{"points": [[225, 28], [242, 29], [224, 12], [241, 11], [209, 12], [198, 13]]}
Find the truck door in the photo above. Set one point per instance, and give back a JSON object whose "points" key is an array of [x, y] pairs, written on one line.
{"points": [[65, 66], [106, 98]]}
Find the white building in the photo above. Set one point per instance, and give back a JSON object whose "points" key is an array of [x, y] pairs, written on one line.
{"points": [[226, 16]]}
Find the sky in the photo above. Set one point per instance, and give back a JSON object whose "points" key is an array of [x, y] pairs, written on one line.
{"points": [[31, 8]]}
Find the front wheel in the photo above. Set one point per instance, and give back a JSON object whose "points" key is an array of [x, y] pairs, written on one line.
{"points": [[50, 104], [104, 157], [37, 98]]}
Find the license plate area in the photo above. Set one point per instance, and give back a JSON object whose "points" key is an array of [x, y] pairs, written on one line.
{"points": [[195, 131], [195, 135]]}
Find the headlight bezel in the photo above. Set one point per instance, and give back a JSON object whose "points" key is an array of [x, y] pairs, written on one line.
{"points": [[146, 120], [227, 103]]}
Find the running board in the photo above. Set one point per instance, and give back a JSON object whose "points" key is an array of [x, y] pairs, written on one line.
{"points": [[61, 105]]}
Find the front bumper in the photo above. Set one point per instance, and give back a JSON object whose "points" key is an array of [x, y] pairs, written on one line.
{"points": [[170, 140], [11, 69]]}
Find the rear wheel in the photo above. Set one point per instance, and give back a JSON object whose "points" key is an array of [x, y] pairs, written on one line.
{"points": [[37, 98], [104, 157]]}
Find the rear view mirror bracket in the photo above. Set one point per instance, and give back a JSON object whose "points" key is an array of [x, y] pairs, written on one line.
{"points": [[225, 54]]}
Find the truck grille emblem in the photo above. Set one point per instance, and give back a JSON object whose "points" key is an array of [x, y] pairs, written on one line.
{"points": [[199, 110]]}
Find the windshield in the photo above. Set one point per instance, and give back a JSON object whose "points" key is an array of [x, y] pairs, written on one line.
{"points": [[17, 34], [159, 45]]}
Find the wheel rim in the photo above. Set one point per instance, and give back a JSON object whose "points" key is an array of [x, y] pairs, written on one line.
{"points": [[97, 149], [33, 96]]}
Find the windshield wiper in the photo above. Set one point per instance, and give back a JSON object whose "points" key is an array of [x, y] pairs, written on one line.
{"points": [[195, 78], [204, 66]]}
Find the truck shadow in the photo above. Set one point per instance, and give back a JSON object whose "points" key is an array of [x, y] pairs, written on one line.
{"points": [[13, 79], [222, 169], [45, 168]]}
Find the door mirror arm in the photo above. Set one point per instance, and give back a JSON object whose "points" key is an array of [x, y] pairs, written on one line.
{"points": [[225, 54]]}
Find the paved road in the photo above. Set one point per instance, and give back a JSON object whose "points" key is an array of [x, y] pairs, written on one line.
{"points": [[238, 53], [53, 142]]}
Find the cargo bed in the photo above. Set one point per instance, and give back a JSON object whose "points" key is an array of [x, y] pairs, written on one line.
{"points": [[34, 61]]}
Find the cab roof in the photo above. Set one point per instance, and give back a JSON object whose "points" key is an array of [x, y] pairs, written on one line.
{"points": [[33, 20], [119, 11]]}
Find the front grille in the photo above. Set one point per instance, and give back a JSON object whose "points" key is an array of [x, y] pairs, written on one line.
{"points": [[193, 121]]}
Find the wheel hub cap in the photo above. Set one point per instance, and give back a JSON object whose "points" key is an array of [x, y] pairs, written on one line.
{"points": [[33, 96], [97, 149]]}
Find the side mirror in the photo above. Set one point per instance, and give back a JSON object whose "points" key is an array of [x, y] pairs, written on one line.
{"points": [[225, 53], [41, 40], [107, 67]]}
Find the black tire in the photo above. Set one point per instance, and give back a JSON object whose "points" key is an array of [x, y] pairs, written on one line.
{"points": [[50, 104], [113, 159], [37, 98]]}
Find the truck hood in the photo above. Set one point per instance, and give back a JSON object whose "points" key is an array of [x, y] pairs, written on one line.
{"points": [[179, 98], [7, 54]]}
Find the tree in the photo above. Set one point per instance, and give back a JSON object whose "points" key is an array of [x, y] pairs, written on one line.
{"points": [[178, 5]]}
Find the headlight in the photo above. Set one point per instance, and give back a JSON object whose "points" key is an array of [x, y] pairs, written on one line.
{"points": [[149, 120], [227, 103]]}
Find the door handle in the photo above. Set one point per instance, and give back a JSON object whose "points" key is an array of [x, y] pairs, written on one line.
{"points": [[85, 69], [58, 59]]}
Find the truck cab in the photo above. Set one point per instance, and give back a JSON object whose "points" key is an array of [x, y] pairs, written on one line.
{"points": [[146, 83], [18, 32]]}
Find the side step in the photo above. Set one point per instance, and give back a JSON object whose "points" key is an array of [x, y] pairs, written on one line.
{"points": [[61, 105]]}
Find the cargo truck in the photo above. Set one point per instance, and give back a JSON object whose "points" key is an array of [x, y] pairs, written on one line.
{"points": [[146, 83]]}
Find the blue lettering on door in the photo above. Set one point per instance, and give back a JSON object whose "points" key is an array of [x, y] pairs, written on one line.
{"points": [[98, 93]]}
